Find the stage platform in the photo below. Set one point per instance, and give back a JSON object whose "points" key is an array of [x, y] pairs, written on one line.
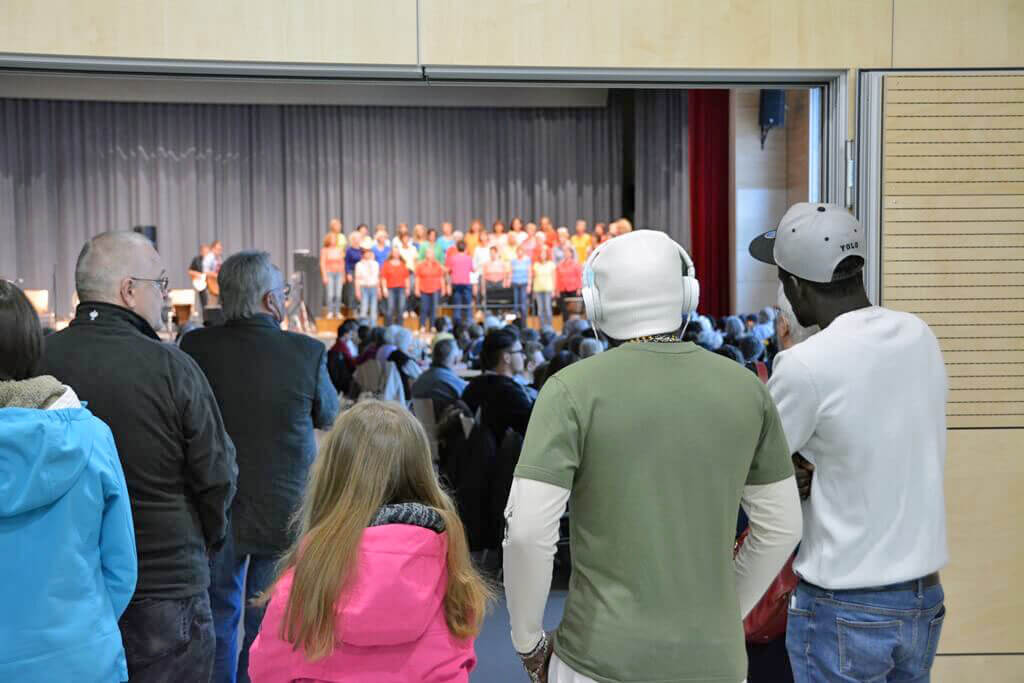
{"points": [[330, 325]]}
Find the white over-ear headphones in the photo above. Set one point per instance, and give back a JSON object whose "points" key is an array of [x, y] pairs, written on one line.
{"points": [[592, 297]]}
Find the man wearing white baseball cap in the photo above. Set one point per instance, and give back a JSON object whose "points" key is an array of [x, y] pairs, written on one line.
{"points": [[658, 441], [864, 401]]}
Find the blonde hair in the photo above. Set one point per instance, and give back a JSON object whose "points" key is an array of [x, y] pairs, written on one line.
{"points": [[376, 454]]}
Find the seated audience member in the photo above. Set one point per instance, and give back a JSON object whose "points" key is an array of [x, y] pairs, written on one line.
{"points": [[753, 351], [533, 353], [733, 329], [440, 382], [273, 390], [656, 594], [590, 347], [404, 359], [562, 359], [67, 535], [340, 361], [375, 339], [362, 337], [380, 578], [383, 351], [345, 346], [750, 322], [178, 460], [732, 353], [504, 402], [765, 327]]}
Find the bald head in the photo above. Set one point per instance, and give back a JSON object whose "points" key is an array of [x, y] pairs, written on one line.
{"points": [[113, 266]]}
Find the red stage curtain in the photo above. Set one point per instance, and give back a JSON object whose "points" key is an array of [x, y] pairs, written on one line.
{"points": [[708, 114]]}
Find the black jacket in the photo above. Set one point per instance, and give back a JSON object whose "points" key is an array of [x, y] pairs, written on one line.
{"points": [[504, 401], [178, 460], [273, 389]]}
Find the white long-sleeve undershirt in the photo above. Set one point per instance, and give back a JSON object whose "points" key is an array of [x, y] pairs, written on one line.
{"points": [[532, 515]]}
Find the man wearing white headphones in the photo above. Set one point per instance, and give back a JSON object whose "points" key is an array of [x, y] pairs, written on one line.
{"points": [[658, 442]]}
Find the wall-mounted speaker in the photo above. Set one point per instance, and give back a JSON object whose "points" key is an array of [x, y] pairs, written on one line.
{"points": [[772, 111]]}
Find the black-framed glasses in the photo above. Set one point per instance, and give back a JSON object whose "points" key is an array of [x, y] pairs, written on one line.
{"points": [[519, 351], [163, 283], [285, 290]]}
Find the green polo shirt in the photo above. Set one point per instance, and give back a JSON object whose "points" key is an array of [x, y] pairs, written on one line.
{"points": [[656, 442]]}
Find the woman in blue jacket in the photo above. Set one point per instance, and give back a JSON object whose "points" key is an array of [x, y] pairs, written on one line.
{"points": [[66, 536]]}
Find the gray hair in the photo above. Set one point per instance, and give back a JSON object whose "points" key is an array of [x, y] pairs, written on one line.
{"points": [[590, 347], [391, 334], [244, 278], [102, 264], [444, 352], [403, 339], [491, 322], [797, 332]]}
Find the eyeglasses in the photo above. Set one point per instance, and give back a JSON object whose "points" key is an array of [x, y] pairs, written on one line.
{"points": [[286, 289], [519, 351], [163, 283]]}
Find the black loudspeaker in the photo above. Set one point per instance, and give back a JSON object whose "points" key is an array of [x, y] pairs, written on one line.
{"points": [[149, 231], [313, 292], [773, 108]]}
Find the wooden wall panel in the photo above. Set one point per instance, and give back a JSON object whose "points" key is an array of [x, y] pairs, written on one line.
{"points": [[953, 231], [658, 33], [979, 668], [957, 34], [339, 31], [984, 506]]}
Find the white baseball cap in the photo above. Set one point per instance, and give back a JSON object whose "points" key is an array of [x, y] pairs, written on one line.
{"points": [[811, 240]]}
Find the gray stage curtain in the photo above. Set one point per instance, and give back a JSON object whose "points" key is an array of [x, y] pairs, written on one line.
{"points": [[662, 166], [270, 177]]}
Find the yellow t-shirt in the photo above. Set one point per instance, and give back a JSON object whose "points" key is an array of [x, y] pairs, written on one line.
{"points": [[582, 244], [544, 276]]}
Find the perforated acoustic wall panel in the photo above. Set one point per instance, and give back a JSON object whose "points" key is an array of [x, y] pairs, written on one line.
{"points": [[953, 231]]}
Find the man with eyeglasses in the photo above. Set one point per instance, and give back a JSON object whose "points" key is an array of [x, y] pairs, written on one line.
{"points": [[503, 401], [178, 460], [273, 390]]}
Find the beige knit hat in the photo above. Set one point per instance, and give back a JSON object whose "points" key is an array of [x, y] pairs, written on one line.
{"points": [[639, 284]]}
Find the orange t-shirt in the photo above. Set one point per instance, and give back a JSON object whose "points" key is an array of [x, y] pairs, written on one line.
{"points": [[394, 274], [429, 276]]}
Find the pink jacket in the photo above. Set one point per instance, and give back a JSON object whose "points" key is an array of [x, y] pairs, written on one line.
{"points": [[390, 626]]}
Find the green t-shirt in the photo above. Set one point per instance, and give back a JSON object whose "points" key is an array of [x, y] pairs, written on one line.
{"points": [[656, 442], [438, 251]]}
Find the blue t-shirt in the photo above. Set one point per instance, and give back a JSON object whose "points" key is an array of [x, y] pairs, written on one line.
{"points": [[445, 243], [382, 254], [521, 271]]}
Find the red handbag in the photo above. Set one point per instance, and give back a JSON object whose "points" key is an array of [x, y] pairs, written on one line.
{"points": [[767, 621]]}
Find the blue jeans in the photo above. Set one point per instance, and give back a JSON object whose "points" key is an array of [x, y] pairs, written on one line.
{"points": [[864, 635], [543, 307], [428, 308], [462, 302], [368, 304], [520, 301], [334, 285], [396, 304], [168, 640], [231, 583]]}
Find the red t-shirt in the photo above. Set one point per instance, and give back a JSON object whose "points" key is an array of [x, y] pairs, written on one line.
{"points": [[429, 276], [569, 276], [394, 274]]}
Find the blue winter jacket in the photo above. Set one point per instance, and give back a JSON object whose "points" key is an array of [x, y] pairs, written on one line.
{"points": [[67, 548]]}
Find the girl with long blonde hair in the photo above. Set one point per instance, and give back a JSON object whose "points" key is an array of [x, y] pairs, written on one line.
{"points": [[379, 586]]}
